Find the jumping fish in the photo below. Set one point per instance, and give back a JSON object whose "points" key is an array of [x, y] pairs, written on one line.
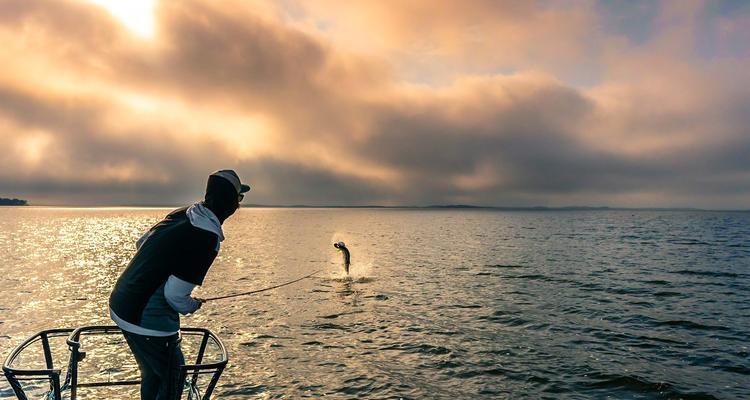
{"points": [[342, 247]]}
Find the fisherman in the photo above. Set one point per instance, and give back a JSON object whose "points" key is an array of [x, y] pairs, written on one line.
{"points": [[171, 259]]}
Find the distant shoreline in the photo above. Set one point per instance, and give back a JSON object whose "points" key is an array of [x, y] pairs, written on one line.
{"points": [[505, 208], [13, 202], [429, 207]]}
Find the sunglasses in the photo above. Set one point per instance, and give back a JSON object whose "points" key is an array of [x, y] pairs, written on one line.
{"points": [[240, 197]]}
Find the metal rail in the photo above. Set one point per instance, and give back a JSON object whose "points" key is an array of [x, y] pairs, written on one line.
{"points": [[71, 383]]}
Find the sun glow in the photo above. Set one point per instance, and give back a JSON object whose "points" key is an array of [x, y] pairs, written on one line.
{"points": [[136, 15], [33, 147]]}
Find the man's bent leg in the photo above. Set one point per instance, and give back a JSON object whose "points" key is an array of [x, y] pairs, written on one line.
{"points": [[159, 360], [171, 388], [150, 380]]}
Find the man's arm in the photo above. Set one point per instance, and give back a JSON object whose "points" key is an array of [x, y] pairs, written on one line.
{"points": [[177, 292], [142, 240]]}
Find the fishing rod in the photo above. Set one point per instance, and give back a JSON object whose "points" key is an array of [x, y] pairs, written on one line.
{"points": [[259, 290]]}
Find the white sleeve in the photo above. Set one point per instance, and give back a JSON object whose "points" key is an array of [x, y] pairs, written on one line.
{"points": [[177, 292]]}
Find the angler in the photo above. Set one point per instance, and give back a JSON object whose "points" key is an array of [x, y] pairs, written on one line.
{"points": [[171, 259]]}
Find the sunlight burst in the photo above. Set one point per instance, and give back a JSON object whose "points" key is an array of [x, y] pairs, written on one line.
{"points": [[136, 15]]}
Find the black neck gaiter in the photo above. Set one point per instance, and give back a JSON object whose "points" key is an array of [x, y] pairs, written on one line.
{"points": [[221, 197]]}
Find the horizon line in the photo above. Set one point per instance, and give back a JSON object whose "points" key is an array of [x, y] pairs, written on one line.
{"points": [[432, 206]]}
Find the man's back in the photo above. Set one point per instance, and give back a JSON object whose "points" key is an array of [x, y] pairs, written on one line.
{"points": [[172, 247]]}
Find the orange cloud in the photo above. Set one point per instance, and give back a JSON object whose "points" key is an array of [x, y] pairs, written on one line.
{"points": [[368, 103], [437, 41]]}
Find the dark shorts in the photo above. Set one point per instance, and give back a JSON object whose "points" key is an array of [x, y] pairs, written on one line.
{"points": [[159, 360]]}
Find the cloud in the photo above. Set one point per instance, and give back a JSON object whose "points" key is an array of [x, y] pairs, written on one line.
{"points": [[438, 41], [93, 114]]}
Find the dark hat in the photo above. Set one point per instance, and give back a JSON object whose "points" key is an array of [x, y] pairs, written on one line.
{"points": [[233, 178]]}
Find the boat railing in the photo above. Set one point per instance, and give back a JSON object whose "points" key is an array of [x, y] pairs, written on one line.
{"points": [[190, 373], [16, 376]]}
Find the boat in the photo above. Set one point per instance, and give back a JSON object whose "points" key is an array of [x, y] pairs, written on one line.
{"points": [[35, 367]]}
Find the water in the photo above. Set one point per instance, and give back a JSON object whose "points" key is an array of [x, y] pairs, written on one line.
{"points": [[441, 304]]}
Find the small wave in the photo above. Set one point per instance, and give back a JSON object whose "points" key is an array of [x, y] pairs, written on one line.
{"points": [[657, 282], [692, 325], [738, 369], [504, 266], [446, 333], [666, 293], [505, 319], [530, 277], [334, 316], [444, 364], [640, 341], [497, 371], [422, 348], [625, 290], [330, 326], [689, 242], [331, 364], [307, 388], [267, 337], [430, 349], [361, 386], [708, 273], [588, 286], [638, 384], [659, 339], [466, 374], [502, 352], [466, 306], [245, 390]]}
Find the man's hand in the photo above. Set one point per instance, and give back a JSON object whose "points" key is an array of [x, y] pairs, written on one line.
{"points": [[200, 303]]}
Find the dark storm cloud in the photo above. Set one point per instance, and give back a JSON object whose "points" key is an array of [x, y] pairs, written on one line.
{"points": [[285, 183], [95, 163]]}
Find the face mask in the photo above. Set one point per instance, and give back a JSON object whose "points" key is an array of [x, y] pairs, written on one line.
{"points": [[221, 197]]}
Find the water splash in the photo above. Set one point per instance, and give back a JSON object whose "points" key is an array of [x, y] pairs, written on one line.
{"points": [[360, 266]]}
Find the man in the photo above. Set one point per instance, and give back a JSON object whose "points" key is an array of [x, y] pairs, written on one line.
{"points": [[171, 259]]}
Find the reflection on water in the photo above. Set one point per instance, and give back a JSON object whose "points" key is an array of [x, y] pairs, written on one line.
{"points": [[480, 304]]}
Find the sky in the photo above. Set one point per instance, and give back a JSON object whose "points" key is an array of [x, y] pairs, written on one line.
{"points": [[370, 102]]}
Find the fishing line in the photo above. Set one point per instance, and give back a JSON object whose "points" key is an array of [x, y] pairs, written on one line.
{"points": [[260, 290]]}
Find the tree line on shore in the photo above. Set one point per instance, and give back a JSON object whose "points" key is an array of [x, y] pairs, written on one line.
{"points": [[12, 202]]}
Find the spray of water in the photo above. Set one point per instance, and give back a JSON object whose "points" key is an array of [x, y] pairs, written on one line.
{"points": [[360, 266]]}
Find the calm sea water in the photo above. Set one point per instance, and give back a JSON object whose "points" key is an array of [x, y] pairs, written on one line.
{"points": [[441, 304]]}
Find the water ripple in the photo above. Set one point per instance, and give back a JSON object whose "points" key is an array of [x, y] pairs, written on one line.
{"points": [[480, 304]]}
